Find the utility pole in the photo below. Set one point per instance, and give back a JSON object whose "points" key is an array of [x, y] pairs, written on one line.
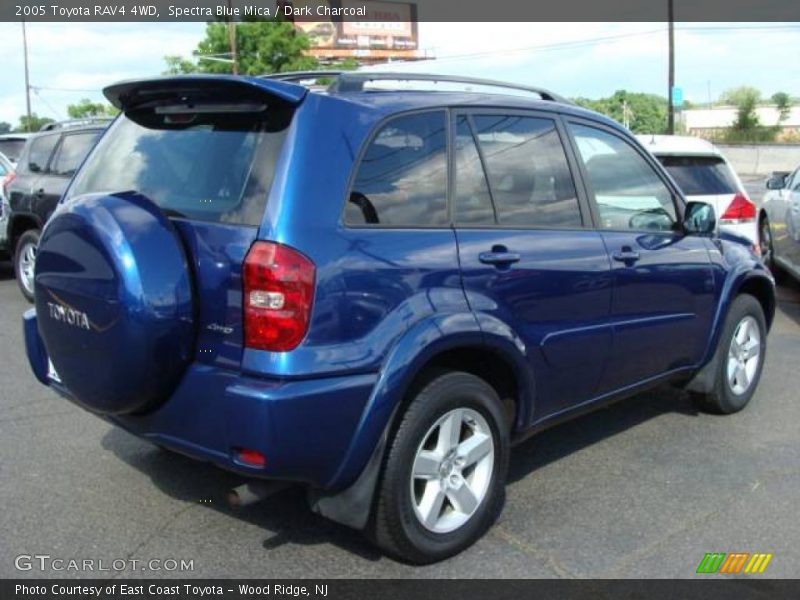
{"points": [[27, 83], [232, 38], [671, 77]]}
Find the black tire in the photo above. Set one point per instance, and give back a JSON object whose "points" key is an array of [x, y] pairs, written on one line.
{"points": [[21, 255], [723, 399], [395, 525], [768, 249]]}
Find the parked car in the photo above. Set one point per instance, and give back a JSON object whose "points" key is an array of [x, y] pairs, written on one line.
{"points": [[11, 145], [6, 168], [779, 223], [46, 164], [704, 174], [373, 293]]}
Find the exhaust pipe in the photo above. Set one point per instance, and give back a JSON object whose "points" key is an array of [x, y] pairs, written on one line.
{"points": [[254, 491]]}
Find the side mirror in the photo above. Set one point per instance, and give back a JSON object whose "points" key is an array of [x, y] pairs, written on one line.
{"points": [[776, 182], [699, 218], [34, 168]]}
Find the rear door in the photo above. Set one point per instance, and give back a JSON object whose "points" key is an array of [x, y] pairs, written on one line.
{"points": [[710, 179], [206, 157], [527, 256], [663, 298]]}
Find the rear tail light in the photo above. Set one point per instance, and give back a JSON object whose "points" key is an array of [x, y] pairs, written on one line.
{"points": [[740, 210], [278, 292], [10, 176]]}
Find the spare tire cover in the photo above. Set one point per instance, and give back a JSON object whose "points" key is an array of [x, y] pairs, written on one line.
{"points": [[114, 302]]}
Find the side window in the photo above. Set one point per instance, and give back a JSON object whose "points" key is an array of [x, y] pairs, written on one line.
{"points": [[629, 194], [72, 151], [402, 178], [794, 182], [473, 204], [41, 149], [529, 176]]}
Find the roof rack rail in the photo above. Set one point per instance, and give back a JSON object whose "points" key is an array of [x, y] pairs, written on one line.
{"points": [[353, 81], [75, 123], [302, 75]]}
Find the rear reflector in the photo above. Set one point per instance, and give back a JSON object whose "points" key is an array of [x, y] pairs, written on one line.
{"points": [[278, 292], [252, 457], [740, 210]]}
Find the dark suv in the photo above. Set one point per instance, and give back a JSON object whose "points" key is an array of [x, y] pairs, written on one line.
{"points": [[46, 164], [373, 292]]}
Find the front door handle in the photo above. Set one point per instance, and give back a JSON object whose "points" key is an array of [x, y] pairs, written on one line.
{"points": [[627, 255], [499, 258]]}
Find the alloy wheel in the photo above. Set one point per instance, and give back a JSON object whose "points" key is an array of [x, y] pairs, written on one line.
{"points": [[744, 355], [452, 470]]}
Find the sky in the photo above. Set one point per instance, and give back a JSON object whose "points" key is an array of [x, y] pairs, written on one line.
{"points": [[70, 61]]}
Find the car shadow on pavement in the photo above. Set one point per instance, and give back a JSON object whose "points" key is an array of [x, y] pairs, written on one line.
{"points": [[567, 438], [286, 513], [6, 270]]}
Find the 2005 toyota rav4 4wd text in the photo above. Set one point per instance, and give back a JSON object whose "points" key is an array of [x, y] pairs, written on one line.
{"points": [[373, 290]]}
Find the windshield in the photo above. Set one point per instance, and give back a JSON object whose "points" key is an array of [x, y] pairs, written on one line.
{"points": [[700, 175], [204, 166]]}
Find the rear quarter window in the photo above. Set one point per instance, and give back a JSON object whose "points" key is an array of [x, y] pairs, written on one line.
{"points": [[214, 167], [700, 175], [401, 180]]}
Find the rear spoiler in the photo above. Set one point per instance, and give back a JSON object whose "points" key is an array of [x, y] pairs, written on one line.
{"points": [[140, 93]]}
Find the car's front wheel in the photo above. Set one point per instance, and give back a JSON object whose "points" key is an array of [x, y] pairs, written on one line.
{"points": [[25, 262], [443, 480], [740, 358]]}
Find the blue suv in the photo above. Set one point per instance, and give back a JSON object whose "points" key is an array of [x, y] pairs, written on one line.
{"points": [[374, 290]]}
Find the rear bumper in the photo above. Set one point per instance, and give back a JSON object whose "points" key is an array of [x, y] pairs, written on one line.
{"points": [[304, 428]]}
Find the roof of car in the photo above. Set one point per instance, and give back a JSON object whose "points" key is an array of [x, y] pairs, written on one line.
{"points": [[678, 145]]}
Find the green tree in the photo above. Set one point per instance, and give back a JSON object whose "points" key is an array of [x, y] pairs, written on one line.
{"points": [[261, 46], [177, 65], [35, 123], [747, 126], [783, 102], [86, 108], [5, 127], [645, 113]]}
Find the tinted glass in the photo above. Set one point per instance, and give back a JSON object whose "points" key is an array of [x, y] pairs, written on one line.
{"points": [[529, 176], [41, 149], [204, 166], [12, 148], [700, 175], [628, 192], [402, 179], [473, 202], [72, 151]]}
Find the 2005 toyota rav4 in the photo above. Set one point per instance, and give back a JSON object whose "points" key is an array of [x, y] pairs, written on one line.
{"points": [[374, 290]]}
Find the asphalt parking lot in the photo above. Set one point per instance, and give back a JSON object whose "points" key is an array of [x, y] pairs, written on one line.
{"points": [[641, 489]]}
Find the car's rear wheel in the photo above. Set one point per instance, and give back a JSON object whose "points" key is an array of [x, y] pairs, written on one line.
{"points": [[443, 480], [767, 249], [25, 262], [740, 358]]}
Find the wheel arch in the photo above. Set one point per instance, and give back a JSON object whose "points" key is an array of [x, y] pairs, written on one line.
{"points": [[424, 351]]}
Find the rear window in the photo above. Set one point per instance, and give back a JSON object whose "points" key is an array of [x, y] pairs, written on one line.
{"points": [[204, 166], [700, 175], [12, 148]]}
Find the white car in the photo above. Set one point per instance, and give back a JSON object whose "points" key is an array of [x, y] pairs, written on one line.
{"points": [[704, 174]]}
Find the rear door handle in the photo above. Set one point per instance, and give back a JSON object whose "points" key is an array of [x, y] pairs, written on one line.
{"points": [[626, 255], [499, 258]]}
